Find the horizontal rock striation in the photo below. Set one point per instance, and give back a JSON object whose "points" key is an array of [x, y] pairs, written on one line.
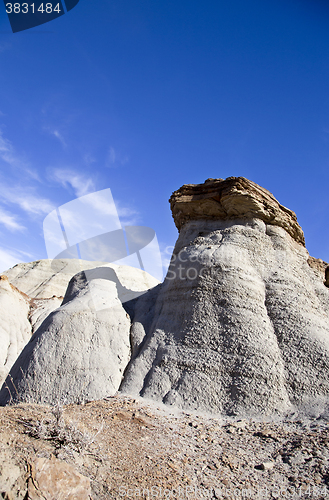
{"points": [[240, 325], [232, 198]]}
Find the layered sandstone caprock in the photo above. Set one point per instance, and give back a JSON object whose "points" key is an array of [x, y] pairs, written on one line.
{"points": [[232, 198]]}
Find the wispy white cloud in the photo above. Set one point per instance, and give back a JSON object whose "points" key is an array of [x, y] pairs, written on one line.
{"points": [[81, 184], [35, 205], [10, 221], [27, 199], [56, 133], [11, 257], [88, 159], [60, 137], [8, 154], [128, 216], [114, 158]]}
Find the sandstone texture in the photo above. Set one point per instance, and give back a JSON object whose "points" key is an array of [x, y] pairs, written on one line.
{"points": [[232, 198], [321, 268], [240, 325], [54, 479], [40, 310], [81, 349]]}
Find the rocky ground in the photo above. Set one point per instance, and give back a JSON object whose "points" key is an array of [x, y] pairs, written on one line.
{"points": [[128, 448]]}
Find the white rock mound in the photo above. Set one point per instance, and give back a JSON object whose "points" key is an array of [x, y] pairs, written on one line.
{"points": [[80, 351], [47, 278], [42, 285]]}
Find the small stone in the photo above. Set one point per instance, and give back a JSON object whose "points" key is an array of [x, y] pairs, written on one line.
{"points": [[53, 479], [194, 424], [218, 493], [212, 466], [267, 465], [317, 479]]}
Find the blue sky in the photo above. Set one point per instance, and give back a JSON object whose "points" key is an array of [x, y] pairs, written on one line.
{"points": [[144, 96]]}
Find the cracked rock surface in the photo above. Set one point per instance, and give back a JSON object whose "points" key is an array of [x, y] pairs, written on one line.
{"points": [[232, 198]]}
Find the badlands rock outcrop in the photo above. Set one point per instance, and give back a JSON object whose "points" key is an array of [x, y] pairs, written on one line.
{"points": [[81, 349], [29, 292], [241, 323], [44, 279]]}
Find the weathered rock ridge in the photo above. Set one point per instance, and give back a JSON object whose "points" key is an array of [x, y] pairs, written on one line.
{"points": [[81, 349], [29, 292], [15, 328], [240, 325], [232, 198]]}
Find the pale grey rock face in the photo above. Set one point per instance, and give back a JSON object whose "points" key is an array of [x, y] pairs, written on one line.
{"points": [[46, 282], [40, 310], [240, 325], [46, 278], [81, 349], [15, 328]]}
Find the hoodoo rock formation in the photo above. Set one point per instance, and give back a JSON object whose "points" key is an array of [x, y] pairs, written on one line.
{"points": [[240, 325]]}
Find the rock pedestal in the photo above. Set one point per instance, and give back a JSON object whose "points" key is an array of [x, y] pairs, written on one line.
{"points": [[240, 325]]}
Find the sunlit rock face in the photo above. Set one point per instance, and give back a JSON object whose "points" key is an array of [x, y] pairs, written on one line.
{"points": [[29, 292], [15, 327], [229, 199], [81, 349], [240, 325]]}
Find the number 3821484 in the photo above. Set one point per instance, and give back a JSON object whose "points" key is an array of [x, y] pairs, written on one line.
{"points": [[24, 8]]}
